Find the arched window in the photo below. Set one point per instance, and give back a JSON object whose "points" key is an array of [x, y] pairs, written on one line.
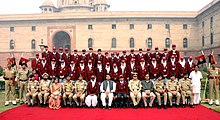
{"points": [[113, 43], [185, 43], [149, 43], [12, 44], [90, 41], [131, 42], [167, 42], [33, 44]]}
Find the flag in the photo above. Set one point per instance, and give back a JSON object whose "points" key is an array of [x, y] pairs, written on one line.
{"points": [[201, 59], [23, 60], [12, 61], [212, 59]]}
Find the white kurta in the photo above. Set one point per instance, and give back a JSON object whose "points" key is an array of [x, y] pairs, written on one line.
{"points": [[196, 83]]}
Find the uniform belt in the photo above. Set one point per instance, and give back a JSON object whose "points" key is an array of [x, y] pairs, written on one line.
{"points": [[8, 78], [23, 80], [213, 77]]}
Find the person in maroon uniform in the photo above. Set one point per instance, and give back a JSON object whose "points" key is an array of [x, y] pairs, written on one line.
{"points": [[142, 70], [122, 91], [62, 56], [139, 56], [164, 70], [124, 70], [43, 67], [72, 71], [124, 56], [53, 70], [92, 93], [62, 71], [107, 69], [132, 68], [47, 54], [35, 63], [173, 66], [83, 57], [99, 57], [91, 56], [165, 53], [75, 57], [55, 55], [153, 69], [99, 72], [67, 57], [113, 59], [118, 58], [132, 56], [81, 69], [190, 65], [182, 67], [174, 52], [105, 59], [148, 56], [157, 55], [90, 70], [115, 72]]}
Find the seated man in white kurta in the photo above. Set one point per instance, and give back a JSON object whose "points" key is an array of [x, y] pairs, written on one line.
{"points": [[107, 89]]}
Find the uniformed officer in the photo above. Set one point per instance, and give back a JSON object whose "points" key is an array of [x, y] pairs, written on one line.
{"points": [[23, 81], [160, 90], [214, 73], [80, 89], [44, 90], [147, 91], [185, 85], [9, 76], [173, 90], [32, 90], [135, 90], [68, 90]]}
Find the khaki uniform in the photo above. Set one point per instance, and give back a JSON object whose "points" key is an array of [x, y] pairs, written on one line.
{"points": [[23, 81], [9, 75], [80, 86], [135, 85], [173, 86], [68, 89], [32, 91], [214, 82], [186, 91], [159, 85], [44, 87]]}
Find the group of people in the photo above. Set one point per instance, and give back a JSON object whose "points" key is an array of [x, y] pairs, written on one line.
{"points": [[92, 78]]}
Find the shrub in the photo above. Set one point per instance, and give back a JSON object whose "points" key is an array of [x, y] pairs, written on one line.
{"points": [[1, 70]]}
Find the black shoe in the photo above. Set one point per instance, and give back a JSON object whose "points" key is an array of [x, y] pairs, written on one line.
{"points": [[71, 106], [165, 107], [93, 107], [177, 106], [64, 106], [104, 107], [32, 105], [41, 105], [191, 106], [135, 107], [29, 105], [44, 105], [109, 107], [159, 107], [183, 106], [171, 106], [150, 106], [145, 107]]}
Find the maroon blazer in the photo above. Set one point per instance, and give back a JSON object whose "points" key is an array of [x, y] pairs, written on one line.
{"points": [[177, 55], [73, 73], [139, 58], [131, 71], [89, 72], [142, 72], [190, 68], [35, 64], [148, 58], [153, 71], [173, 69], [53, 72], [47, 56], [125, 58], [164, 70], [99, 75], [82, 72], [76, 59], [158, 57], [55, 56], [122, 88], [62, 71], [115, 76], [91, 57], [92, 90]]}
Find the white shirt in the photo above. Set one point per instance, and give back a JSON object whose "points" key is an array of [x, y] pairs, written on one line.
{"points": [[196, 77]]}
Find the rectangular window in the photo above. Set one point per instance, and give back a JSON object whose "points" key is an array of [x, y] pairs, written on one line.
{"points": [[203, 24], [203, 41], [90, 27], [211, 22], [131, 26], [185, 26], [211, 39], [149, 26], [113, 26], [167, 26], [33, 28], [12, 29], [113, 43]]}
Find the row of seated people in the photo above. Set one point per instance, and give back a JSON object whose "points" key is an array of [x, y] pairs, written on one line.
{"points": [[92, 93]]}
